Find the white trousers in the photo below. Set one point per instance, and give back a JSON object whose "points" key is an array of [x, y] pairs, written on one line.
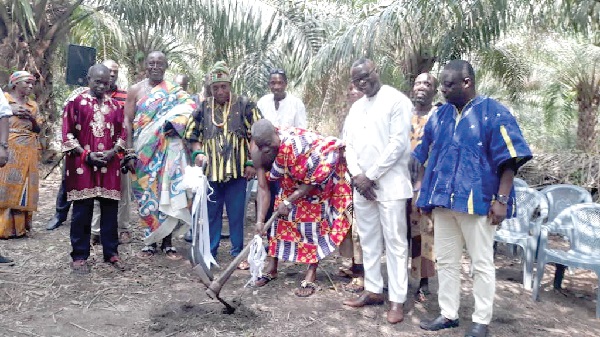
{"points": [[379, 223], [454, 230], [124, 207]]}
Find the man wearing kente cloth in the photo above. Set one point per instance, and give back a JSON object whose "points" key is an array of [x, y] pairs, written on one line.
{"points": [[93, 139], [313, 202], [219, 134], [158, 111]]}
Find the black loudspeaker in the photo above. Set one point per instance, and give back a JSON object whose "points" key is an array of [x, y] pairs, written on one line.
{"points": [[79, 60]]}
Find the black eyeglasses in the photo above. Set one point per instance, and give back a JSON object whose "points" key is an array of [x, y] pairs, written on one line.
{"points": [[362, 79]]}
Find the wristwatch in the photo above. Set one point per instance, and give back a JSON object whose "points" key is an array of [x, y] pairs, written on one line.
{"points": [[503, 199], [4, 145], [287, 203]]}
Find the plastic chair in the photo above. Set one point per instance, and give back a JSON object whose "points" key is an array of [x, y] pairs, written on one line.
{"points": [[518, 182], [560, 197], [581, 223], [524, 229]]}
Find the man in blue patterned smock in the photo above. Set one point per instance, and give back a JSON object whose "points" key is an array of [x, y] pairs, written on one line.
{"points": [[471, 149]]}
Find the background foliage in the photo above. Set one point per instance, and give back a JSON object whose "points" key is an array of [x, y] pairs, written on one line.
{"points": [[539, 57]]}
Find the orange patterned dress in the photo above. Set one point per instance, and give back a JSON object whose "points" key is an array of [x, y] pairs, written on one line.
{"points": [[318, 222], [19, 179]]}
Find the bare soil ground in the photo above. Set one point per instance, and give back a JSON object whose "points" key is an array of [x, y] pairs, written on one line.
{"points": [[40, 297]]}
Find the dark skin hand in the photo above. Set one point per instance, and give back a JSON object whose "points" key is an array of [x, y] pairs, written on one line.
{"points": [[24, 113], [263, 199], [365, 186], [249, 172], [497, 212], [96, 159]]}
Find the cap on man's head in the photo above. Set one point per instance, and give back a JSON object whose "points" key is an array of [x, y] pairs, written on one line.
{"points": [[220, 73]]}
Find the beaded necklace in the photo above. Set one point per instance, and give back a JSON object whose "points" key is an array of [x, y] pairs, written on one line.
{"points": [[225, 114]]}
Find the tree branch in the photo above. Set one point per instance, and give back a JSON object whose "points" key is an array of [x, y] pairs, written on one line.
{"points": [[39, 12], [60, 22]]}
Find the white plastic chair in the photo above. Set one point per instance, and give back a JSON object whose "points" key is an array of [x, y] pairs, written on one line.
{"points": [[560, 197], [581, 223], [518, 182], [524, 229]]}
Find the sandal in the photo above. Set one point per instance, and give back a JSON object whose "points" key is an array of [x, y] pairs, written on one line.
{"points": [[304, 286], [80, 267], [345, 272], [116, 262], [357, 285], [147, 252], [172, 254], [264, 279], [244, 265]]}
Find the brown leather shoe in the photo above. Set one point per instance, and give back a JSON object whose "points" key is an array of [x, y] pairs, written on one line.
{"points": [[367, 298], [396, 314]]}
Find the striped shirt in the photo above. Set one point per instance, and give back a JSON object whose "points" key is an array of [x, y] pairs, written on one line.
{"points": [[226, 144], [120, 96]]}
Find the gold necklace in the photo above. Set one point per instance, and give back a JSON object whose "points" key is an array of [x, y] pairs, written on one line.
{"points": [[225, 112]]}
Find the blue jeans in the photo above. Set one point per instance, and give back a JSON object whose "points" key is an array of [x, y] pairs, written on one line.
{"points": [[232, 194]]}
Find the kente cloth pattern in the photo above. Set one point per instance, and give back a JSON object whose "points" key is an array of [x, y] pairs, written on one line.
{"points": [[158, 128], [318, 222], [97, 127], [226, 145], [19, 179]]}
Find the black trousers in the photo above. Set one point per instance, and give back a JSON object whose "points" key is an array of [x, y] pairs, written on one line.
{"points": [[81, 228], [62, 205]]}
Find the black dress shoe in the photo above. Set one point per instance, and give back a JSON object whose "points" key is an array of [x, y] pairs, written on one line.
{"points": [[439, 323], [54, 223], [477, 330]]}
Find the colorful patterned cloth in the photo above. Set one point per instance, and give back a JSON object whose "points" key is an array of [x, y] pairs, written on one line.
{"points": [[318, 222], [226, 144], [19, 178], [96, 127], [158, 128], [423, 260]]}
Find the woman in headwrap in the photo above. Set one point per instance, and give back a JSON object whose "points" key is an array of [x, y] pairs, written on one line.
{"points": [[19, 178]]}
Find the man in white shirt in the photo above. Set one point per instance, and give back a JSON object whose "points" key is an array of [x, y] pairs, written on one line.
{"points": [[283, 109], [377, 152]]}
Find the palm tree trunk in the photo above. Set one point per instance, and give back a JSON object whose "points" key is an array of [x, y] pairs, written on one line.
{"points": [[586, 126]]}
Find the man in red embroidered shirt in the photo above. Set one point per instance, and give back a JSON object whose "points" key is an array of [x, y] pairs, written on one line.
{"points": [[62, 205], [93, 135]]}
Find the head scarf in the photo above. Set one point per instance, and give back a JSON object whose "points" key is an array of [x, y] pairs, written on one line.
{"points": [[220, 73], [19, 76]]}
